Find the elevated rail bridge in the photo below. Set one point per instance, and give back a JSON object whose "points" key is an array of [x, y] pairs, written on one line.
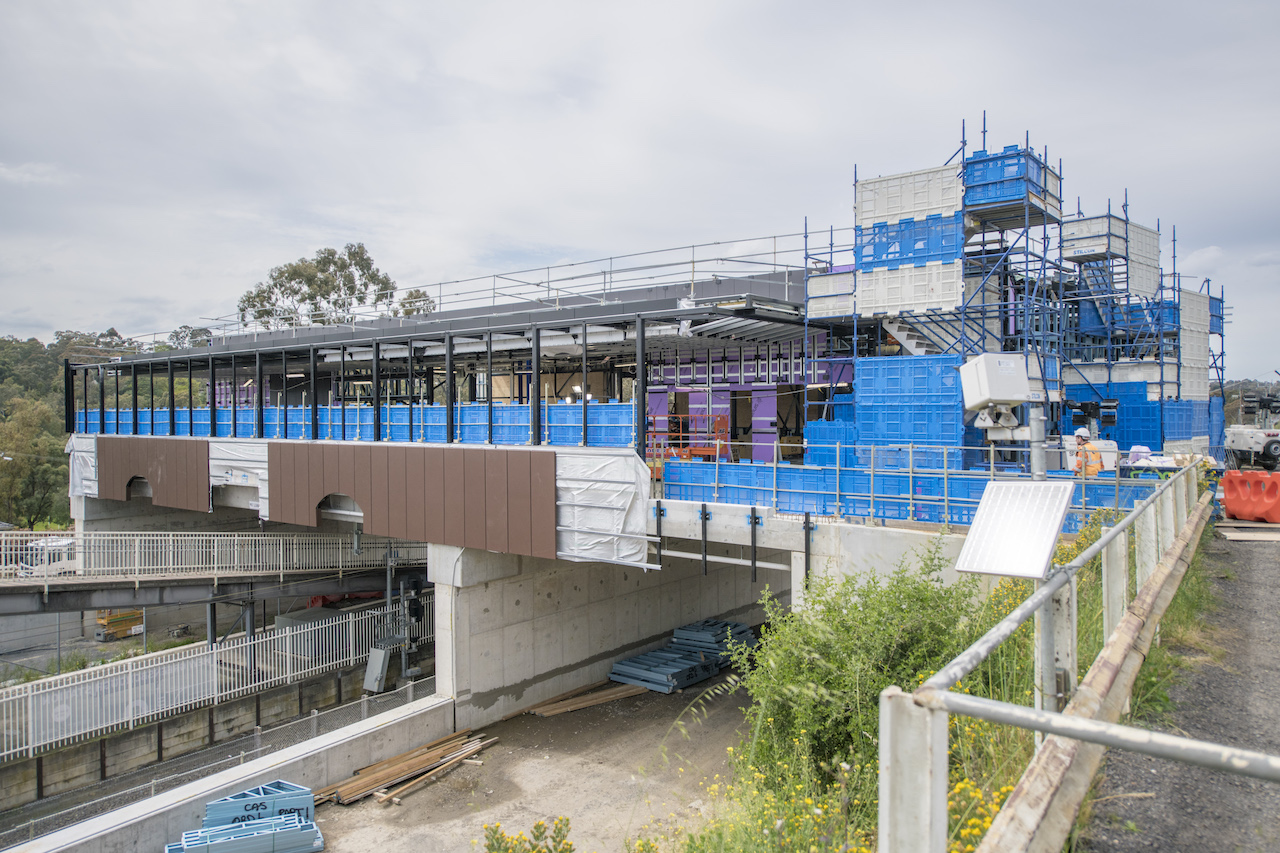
{"points": [[66, 571]]}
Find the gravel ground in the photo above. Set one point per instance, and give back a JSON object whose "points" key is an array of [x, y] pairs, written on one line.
{"points": [[615, 770], [1150, 804]]}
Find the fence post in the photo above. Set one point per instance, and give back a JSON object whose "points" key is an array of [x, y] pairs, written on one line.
{"points": [[1146, 544], [1115, 582], [315, 722], [1179, 490], [1167, 529], [257, 739], [364, 706], [913, 775], [1065, 641]]}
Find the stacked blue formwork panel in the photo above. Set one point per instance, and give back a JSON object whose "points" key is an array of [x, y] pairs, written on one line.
{"points": [[941, 497], [288, 834], [608, 424], [1217, 423], [909, 242], [1138, 420], [1011, 178], [910, 400]]}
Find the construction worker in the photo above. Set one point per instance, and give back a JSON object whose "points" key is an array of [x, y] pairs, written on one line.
{"points": [[1088, 459]]}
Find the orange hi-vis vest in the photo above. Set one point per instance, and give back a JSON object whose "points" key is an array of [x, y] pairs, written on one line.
{"points": [[1088, 460]]}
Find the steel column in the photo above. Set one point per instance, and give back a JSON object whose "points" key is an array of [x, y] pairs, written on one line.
{"points": [[213, 400], [585, 442], [535, 388], [450, 389], [133, 391], [315, 394], [640, 394], [259, 419], [376, 380], [488, 383]]}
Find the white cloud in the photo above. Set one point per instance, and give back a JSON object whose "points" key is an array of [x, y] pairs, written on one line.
{"points": [[197, 145], [32, 173]]}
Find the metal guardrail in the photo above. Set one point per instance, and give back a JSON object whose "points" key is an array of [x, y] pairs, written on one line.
{"points": [[913, 482], [193, 766], [53, 712], [66, 556], [913, 726]]}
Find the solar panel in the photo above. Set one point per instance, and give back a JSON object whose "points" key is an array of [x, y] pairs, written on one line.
{"points": [[1015, 528]]}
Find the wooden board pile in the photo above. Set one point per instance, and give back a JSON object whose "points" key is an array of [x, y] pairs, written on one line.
{"points": [[284, 834], [396, 777], [695, 653], [712, 637]]}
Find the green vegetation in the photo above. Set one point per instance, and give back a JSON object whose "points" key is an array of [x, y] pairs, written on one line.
{"points": [[806, 773], [539, 839]]}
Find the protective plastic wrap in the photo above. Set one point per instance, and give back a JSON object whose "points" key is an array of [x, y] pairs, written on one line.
{"points": [[602, 496]]}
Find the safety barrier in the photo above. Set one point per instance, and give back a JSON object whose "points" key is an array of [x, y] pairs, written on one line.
{"points": [[67, 555], [75, 706], [911, 482], [1251, 495], [914, 726]]}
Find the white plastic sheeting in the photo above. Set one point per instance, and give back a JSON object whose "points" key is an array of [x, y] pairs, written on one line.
{"points": [[83, 453], [241, 463], [602, 497]]}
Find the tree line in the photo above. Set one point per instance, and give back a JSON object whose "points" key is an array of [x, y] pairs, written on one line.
{"points": [[331, 287]]}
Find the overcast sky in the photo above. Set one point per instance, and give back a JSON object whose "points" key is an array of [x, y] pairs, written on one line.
{"points": [[158, 158]]}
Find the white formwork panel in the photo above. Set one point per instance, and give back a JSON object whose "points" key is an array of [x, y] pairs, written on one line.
{"points": [[831, 285], [840, 305], [1093, 238], [1144, 244], [1144, 278], [933, 286], [1194, 311], [910, 194]]}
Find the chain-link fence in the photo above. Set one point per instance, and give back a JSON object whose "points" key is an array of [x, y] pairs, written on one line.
{"points": [[37, 819]]}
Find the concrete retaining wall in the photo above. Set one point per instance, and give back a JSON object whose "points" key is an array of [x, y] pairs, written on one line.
{"points": [[514, 631], [89, 763], [160, 820]]}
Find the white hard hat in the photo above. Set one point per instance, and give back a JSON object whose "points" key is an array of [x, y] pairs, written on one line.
{"points": [[1083, 432]]}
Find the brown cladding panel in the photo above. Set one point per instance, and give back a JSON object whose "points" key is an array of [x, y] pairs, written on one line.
{"points": [[414, 492], [347, 471], [316, 481], [433, 502], [301, 481], [286, 482], [474, 497], [397, 499], [331, 454], [542, 500], [377, 515], [496, 500], [453, 485], [519, 512], [176, 469], [363, 489]]}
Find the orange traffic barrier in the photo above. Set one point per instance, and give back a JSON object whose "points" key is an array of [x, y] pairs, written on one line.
{"points": [[1251, 495]]}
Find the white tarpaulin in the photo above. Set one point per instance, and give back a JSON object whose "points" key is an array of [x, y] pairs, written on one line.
{"points": [[83, 452], [602, 497], [240, 463]]}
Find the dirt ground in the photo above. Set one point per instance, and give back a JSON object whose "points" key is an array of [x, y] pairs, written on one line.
{"points": [[1150, 804], [616, 770]]}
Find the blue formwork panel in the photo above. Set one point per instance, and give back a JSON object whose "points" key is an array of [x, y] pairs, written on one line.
{"points": [[1004, 177], [912, 379], [908, 242], [1215, 315], [1179, 419], [916, 423]]}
